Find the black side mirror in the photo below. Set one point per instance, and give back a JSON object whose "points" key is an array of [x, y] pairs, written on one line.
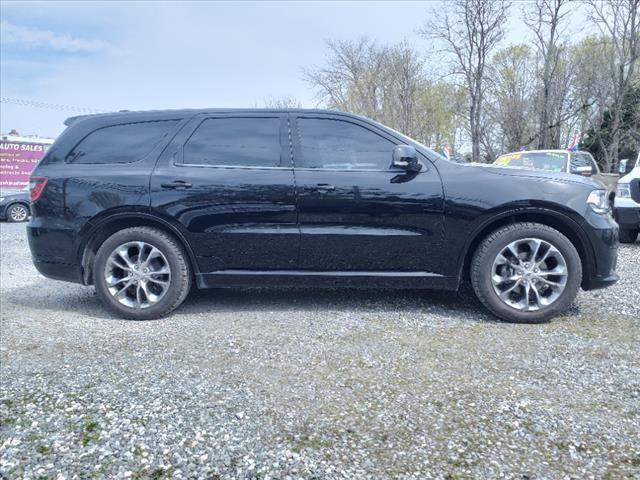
{"points": [[406, 158]]}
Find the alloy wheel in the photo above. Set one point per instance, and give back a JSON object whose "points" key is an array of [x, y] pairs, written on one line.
{"points": [[19, 213], [529, 274], [137, 274]]}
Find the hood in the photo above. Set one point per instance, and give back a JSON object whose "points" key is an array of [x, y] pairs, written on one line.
{"points": [[561, 177]]}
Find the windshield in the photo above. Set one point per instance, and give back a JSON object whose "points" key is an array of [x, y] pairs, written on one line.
{"points": [[548, 161]]}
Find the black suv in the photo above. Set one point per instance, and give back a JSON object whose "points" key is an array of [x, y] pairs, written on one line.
{"points": [[144, 204]]}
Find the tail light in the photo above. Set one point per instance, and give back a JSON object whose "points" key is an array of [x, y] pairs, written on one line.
{"points": [[36, 187]]}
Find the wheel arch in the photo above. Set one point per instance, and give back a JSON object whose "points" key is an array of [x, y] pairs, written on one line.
{"points": [[108, 225], [563, 223], [17, 202]]}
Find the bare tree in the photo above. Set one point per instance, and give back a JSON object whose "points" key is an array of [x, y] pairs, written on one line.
{"points": [[282, 102], [619, 20], [545, 18], [512, 91], [469, 31], [352, 79]]}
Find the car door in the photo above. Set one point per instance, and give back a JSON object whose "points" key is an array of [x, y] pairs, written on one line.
{"points": [[355, 212], [228, 180]]}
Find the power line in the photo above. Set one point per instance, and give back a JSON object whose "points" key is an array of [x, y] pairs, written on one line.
{"points": [[51, 106]]}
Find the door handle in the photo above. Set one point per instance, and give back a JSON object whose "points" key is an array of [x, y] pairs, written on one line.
{"points": [[324, 188], [176, 184]]}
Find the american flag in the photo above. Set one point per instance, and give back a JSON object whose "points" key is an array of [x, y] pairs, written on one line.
{"points": [[574, 142], [445, 151]]}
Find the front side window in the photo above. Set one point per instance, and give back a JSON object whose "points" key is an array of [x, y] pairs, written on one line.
{"points": [[124, 143], [250, 142], [337, 144], [581, 160]]}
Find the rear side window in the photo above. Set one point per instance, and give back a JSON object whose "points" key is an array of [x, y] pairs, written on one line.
{"points": [[336, 144], [250, 142], [124, 143]]}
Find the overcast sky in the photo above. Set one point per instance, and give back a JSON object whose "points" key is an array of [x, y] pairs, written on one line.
{"points": [[154, 55]]}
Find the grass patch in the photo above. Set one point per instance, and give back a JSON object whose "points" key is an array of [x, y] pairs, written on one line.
{"points": [[89, 431], [43, 449]]}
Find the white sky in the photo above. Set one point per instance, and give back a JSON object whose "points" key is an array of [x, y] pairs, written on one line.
{"points": [[155, 55]]}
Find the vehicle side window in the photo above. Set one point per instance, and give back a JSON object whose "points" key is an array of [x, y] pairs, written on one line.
{"points": [[581, 160], [336, 144], [126, 143], [251, 142]]}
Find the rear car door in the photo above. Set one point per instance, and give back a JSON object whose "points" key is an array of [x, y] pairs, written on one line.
{"points": [[356, 213], [228, 180]]}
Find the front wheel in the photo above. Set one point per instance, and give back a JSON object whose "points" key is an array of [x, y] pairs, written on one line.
{"points": [[141, 273], [526, 272]]}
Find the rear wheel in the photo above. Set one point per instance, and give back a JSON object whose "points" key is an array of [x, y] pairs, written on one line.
{"points": [[18, 212], [141, 273], [526, 272], [628, 235]]}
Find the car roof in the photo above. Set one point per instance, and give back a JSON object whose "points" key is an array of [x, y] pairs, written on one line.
{"points": [[182, 113]]}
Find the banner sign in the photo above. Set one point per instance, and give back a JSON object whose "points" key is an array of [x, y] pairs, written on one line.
{"points": [[17, 159]]}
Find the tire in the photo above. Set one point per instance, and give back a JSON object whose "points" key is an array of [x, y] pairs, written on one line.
{"points": [[18, 212], [628, 235], [141, 296], [532, 297]]}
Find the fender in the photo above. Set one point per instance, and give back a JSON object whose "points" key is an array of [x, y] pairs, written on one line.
{"points": [[144, 214], [525, 214]]}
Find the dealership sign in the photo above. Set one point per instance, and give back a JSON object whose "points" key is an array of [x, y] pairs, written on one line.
{"points": [[17, 159]]}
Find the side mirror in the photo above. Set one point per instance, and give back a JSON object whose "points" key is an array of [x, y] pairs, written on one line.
{"points": [[585, 171], [406, 158]]}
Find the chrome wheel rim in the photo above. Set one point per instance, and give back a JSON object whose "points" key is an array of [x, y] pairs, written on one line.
{"points": [[19, 213], [137, 275], [529, 274]]}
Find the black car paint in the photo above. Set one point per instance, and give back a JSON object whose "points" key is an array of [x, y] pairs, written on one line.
{"points": [[294, 226]]}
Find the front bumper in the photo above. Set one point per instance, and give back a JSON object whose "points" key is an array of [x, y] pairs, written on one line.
{"points": [[602, 233], [627, 217]]}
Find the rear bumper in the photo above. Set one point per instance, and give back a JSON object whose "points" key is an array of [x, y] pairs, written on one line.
{"points": [[59, 271], [52, 252], [627, 217]]}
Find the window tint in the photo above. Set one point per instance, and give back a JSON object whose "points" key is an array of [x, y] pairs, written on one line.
{"points": [[120, 143], [253, 142], [327, 143]]}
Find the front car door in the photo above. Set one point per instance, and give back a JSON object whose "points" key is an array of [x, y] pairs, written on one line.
{"points": [[228, 181], [356, 213]]}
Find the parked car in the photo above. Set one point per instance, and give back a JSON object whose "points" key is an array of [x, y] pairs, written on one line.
{"points": [[578, 163], [143, 205], [14, 206], [627, 205]]}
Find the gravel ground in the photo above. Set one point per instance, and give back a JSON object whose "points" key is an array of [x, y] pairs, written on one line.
{"points": [[314, 384]]}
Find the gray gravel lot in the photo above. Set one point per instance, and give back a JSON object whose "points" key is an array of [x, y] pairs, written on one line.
{"points": [[314, 384]]}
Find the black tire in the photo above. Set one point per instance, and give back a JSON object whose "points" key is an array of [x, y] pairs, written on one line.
{"points": [[628, 235], [180, 280], [18, 212], [494, 243]]}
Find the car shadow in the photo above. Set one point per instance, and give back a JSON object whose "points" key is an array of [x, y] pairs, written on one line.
{"points": [[45, 295]]}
